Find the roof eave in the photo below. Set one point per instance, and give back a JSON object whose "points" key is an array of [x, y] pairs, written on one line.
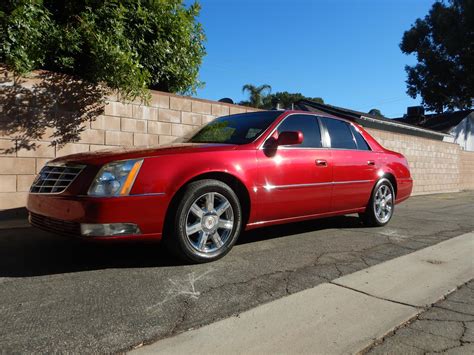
{"points": [[406, 127]]}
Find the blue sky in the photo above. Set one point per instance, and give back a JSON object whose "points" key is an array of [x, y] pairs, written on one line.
{"points": [[345, 51]]}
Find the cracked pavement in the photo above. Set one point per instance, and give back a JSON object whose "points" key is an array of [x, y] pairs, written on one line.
{"points": [[65, 295], [447, 327]]}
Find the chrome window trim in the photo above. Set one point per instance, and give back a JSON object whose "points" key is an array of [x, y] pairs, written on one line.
{"points": [[325, 137], [289, 147], [283, 120]]}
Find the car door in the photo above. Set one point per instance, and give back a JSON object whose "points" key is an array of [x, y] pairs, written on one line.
{"points": [[354, 165], [295, 180]]}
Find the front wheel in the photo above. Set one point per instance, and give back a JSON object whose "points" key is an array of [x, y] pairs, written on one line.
{"points": [[380, 209], [207, 222]]}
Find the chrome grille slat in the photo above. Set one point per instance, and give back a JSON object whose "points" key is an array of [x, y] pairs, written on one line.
{"points": [[54, 179], [58, 179], [60, 174]]}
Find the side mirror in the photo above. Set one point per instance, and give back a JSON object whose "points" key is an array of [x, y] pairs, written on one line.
{"points": [[290, 138]]}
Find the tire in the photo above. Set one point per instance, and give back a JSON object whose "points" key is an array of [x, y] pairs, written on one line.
{"points": [[207, 222], [381, 205]]}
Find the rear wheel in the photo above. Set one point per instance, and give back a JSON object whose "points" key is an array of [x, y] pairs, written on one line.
{"points": [[380, 209], [207, 222]]}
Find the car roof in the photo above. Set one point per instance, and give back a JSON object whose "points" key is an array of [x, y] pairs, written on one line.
{"points": [[319, 114]]}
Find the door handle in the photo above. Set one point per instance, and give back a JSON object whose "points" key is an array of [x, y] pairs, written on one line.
{"points": [[321, 162], [370, 162]]}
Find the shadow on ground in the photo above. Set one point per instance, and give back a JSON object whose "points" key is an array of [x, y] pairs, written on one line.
{"points": [[28, 252]]}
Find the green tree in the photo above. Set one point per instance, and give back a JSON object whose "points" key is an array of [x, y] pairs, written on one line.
{"points": [[376, 112], [128, 45], [25, 26], [444, 45], [256, 94], [286, 99]]}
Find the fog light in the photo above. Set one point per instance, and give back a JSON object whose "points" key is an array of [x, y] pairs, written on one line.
{"points": [[111, 229]]}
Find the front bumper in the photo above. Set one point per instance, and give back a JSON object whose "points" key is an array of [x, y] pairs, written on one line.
{"points": [[65, 214]]}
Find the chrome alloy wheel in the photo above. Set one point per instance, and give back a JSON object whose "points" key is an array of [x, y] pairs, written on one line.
{"points": [[209, 222], [383, 203]]}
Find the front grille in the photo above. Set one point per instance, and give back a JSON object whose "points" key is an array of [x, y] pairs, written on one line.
{"points": [[55, 225], [54, 179]]}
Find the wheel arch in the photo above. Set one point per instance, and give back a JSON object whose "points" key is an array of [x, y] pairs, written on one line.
{"points": [[390, 177], [231, 180]]}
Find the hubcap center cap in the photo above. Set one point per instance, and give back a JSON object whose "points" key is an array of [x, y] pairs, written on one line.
{"points": [[209, 223]]}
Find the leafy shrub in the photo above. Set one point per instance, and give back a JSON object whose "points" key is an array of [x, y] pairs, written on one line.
{"points": [[130, 45]]}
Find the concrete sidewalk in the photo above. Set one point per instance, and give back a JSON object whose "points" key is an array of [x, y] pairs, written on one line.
{"points": [[344, 316]]}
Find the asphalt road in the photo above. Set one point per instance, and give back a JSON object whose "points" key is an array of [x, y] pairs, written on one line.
{"points": [[447, 328], [63, 295]]}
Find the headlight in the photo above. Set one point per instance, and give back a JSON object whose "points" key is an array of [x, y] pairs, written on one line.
{"points": [[115, 179]]}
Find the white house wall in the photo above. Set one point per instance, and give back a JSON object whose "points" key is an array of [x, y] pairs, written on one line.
{"points": [[464, 133]]}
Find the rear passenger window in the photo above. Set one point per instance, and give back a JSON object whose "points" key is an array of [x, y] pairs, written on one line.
{"points": [[339, 133], [308, 125], [361, 143]]}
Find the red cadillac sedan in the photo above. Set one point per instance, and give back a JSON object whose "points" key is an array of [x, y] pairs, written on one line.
{"points": [[238, 172]]}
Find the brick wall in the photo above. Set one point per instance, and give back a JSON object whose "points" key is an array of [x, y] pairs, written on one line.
{"points": [[467, 170], [436, 166], [166, 118]]}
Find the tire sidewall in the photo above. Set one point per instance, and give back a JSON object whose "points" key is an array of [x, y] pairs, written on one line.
{"points": [[193, 192]]}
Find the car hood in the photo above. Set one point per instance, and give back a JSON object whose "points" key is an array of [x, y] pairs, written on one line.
{"points": [[105, 156]]}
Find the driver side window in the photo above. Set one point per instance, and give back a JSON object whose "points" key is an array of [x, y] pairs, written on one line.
{"points": [[308, 125]]}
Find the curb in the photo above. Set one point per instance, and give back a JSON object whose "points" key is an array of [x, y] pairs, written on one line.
{"points": [[346, 315]]}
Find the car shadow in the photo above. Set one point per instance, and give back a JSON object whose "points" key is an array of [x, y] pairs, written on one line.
{"points": [[26, 252], [288, 229]]}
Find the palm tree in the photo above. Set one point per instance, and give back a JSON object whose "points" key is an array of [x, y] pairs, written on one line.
{"points": [[257, 93]]}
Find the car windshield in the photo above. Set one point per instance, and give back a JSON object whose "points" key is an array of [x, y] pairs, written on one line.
{"points": [[235, 129]]}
